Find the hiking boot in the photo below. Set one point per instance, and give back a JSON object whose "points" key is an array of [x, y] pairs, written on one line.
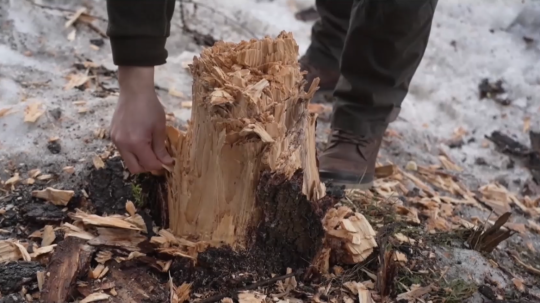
{"points": [[328, 78], [349, 160]]}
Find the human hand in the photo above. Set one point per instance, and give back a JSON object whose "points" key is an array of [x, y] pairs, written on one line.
{"points": [[138, 124]]}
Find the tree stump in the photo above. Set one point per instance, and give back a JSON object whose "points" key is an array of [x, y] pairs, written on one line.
{"points": [[249, 116]]}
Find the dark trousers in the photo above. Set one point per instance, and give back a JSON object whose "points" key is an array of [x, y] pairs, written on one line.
{"points": [[377, 46]]}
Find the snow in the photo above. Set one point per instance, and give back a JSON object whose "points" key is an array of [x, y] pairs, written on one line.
{"points": [[469, 42]]}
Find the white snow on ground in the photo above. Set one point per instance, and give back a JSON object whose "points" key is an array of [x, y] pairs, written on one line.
{"points": [[469, 42]]}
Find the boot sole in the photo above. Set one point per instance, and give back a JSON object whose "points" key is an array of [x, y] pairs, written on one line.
{"points": [[347, 181]]}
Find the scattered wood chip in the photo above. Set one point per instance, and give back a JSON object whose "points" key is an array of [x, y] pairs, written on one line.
{"points": [[98, 162], [187, 104], [485, 239], [4, 111], [412, 166], [520, 285], [526, 124], [175, 93], [251, 297], [95, 220], [48, 235], [416, 293], [42, 250], [385, 171], [318, 108], [95, 297], [33, 111], [534, 226], [55, 196], [71, 230], [11, 250], [13, 180], [130, 208], [76, 80], [404, 239], [40, 279], [68, 169], [75, 16], [45, 177], [71, 36]]}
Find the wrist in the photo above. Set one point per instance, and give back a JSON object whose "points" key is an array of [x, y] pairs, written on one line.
{"points": [[137, 79]]}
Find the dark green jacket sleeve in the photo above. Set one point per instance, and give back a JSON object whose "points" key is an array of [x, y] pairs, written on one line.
{"points": [[138, 30]]}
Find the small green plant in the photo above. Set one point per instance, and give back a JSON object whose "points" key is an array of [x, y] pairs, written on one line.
{"points": [[137, 195], [457, 291]]}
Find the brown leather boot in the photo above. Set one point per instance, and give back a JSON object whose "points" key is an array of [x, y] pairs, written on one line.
{"points": [[349, 160], [328, 77]]}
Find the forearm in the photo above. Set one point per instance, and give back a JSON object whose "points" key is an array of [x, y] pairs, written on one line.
{"points": [[138, 30]]}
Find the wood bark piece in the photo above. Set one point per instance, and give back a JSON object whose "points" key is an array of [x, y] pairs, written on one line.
{"points": [[249, 115], [70, 261], [136, 284]]}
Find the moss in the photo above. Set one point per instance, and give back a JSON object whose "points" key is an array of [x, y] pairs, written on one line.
{"points": [[137, 195]]}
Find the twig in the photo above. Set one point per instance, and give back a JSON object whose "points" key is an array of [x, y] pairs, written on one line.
{"points": [[250, 287], [63, 10]]}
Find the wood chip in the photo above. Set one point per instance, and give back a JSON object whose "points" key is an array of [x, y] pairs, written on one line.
{"points": [[40, 279], [95, 297], [71, 36], [42, 251], [76, 80], [251, 297], [103, 256], [33, 111], [13, 180], [45, 177], [385, 171], [96, 220], [68, 169], [416, 292], [11, 250], [175, 93], [48, 235], [55, 196], [130, 208], [187, 104], [4, 111], [520, 285], [534, 226], [34, 173], [75, 16], [98, 162], [526, 124]]}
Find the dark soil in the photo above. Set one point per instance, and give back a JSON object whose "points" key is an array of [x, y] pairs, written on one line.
{"points": [[16, 274], [108, 189]]}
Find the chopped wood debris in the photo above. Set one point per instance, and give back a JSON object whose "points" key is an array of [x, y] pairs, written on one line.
{"points": [[112, 221], [33, 111], [98, 162], [48, 235], [356, 234], [11, 250], [251, 297], [416, 293], [95, 297], [55, 196]]}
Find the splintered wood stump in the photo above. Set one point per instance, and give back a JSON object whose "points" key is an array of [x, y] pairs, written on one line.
{"points": [[249, 119]]}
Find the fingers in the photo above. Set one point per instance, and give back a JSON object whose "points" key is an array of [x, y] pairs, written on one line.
{"points": [[147, 159], [131, 162], [158, 145]]}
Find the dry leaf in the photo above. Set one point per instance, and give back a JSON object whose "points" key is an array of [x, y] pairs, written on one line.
{"points": [[98, 162], [32, 112], [95, 297], [48, 235], [55, 196]]}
